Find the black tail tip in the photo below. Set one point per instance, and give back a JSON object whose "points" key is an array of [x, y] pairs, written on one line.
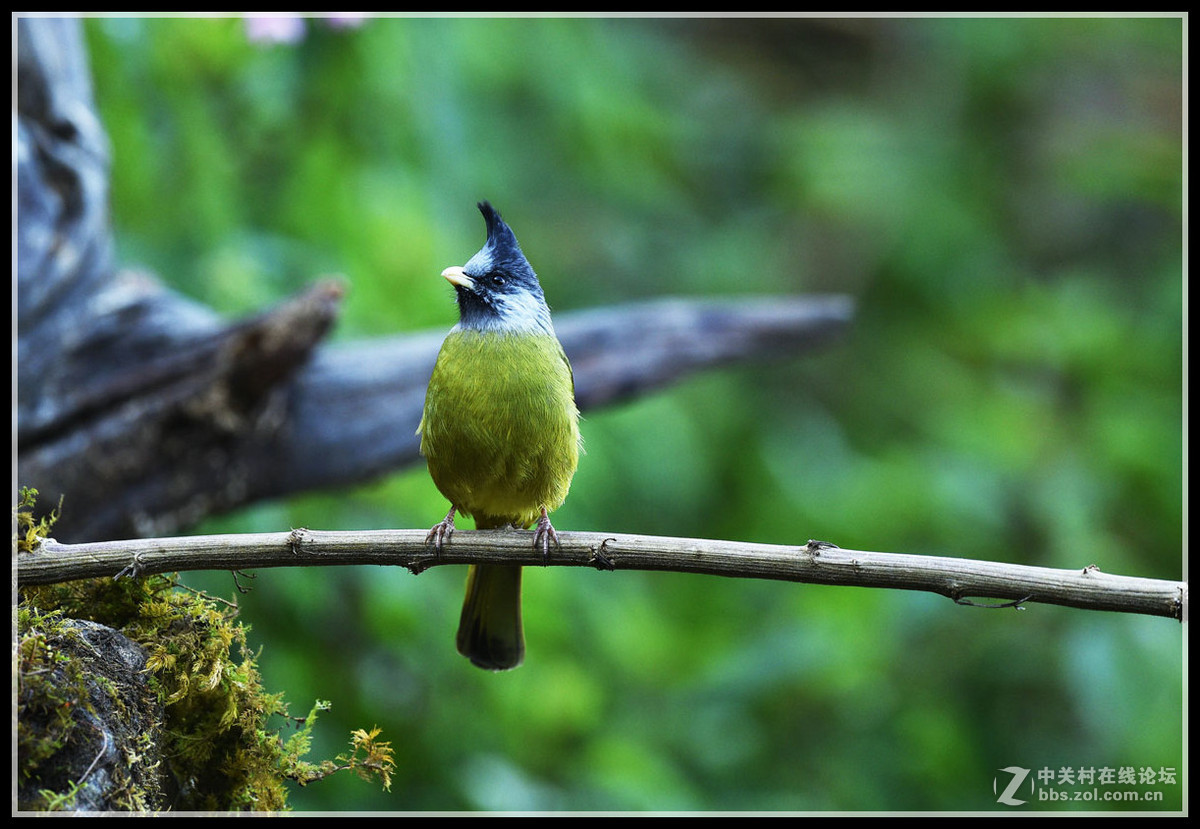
{"points": [[492, 654]]}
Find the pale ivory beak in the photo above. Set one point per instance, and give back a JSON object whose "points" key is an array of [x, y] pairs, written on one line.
{"points": [[456, 276]]}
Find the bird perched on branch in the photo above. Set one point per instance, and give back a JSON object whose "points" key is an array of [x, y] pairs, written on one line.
{"points": [[500, 430]]}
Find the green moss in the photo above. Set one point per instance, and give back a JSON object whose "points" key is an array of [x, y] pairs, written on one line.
{"points": [[78, 705], [45, 707], [221, 748]]}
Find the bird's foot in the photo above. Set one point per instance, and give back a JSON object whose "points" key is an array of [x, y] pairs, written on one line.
{"points": [[543, 534], [441, 531]]}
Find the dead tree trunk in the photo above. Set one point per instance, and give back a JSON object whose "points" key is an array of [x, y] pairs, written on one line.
{"points": [[148, 412]]}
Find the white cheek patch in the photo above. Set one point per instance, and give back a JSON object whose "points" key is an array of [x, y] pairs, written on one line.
{"points": [[511, 310], [522, 311]]}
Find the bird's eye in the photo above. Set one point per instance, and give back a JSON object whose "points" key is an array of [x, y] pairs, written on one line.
{"points": [[496, 280]]}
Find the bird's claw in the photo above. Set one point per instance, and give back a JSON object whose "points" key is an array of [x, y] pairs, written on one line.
{"points": [[543, 534], [441, 531]]}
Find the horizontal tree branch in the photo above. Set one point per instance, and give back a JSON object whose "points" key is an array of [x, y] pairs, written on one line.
{"points": [[353, 411], [814, 563]]}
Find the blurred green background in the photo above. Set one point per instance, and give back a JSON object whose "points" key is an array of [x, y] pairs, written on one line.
{"points": [[1004, 199]]}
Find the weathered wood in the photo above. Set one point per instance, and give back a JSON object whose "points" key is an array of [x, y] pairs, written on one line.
{"points": [[814, 563], [148, 411]]}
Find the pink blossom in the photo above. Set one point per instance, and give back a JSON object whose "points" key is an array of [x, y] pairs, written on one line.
{"points": [[275, 29]]}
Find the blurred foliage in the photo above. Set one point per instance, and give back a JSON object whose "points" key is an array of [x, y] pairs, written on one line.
{"points": [[1002, 196]]}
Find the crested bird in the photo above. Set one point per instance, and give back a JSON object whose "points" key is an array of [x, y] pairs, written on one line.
{"points": [[500, 430]]}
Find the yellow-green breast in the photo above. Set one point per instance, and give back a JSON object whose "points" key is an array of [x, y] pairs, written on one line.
{"points": [[500, 428]]}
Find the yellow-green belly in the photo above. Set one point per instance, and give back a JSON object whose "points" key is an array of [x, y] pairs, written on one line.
{"points": [[500, 428]]}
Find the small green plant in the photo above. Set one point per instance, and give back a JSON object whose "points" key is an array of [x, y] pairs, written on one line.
{"points": [[61, 801], [369, 757], [31, 531]]}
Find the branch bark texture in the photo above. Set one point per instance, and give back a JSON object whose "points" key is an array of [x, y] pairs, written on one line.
{"points": [[814, 563]]}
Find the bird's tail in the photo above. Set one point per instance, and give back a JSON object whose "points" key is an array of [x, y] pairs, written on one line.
{"points": [[489, 631]]}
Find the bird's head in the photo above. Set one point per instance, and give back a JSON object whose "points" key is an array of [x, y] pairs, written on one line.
{"points": [[497, 288]]}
